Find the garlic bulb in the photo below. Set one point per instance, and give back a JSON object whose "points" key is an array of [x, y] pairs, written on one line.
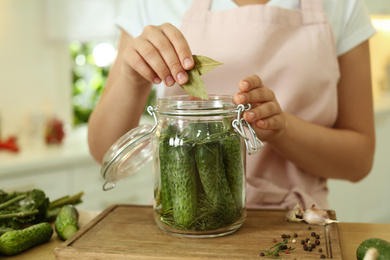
{"points": [[317, 216]]}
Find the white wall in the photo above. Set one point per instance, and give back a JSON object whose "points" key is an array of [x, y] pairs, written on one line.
{"points": [[35, 78], [367, 200]]}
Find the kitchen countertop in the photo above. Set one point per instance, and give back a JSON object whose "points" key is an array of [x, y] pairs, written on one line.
{"points": [[351, 235], [35, 155]]}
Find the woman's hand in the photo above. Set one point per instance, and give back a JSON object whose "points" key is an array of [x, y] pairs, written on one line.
{"points": [[160, 53], [265, 116]]}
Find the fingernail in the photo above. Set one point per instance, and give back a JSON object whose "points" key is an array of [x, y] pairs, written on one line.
{"points": [[251, 115], [156, 80], [187, 63], [242, 98], [182, 78], [169, 80], [245, 85]]}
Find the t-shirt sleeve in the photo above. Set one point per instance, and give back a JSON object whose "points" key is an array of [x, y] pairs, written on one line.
{"points": [[133, 16], [357, 27]]}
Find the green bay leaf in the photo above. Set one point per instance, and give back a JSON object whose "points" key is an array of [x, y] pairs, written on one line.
{"points": [[204, 64], [195, 85]]}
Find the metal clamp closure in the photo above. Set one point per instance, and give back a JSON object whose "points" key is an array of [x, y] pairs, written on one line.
{"points": [[253, 144]]}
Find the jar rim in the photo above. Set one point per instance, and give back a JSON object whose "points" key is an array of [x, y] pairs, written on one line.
{"points": [[189, 106]]}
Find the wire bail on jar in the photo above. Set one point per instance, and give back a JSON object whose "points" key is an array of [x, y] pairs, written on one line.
{"points": [[253, 144]]}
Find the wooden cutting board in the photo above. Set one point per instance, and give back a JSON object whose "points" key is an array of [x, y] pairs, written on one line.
{"points": [[130, 232]]}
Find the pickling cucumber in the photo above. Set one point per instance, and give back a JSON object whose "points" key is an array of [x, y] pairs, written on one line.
{"points": [[382, 246], [211, 168], [165, 189], [181, 164], [233, 160], [66, 223], [17, 241]]}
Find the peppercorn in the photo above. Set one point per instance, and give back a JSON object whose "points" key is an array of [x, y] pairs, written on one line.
{"points": [[313, 245], [323, 256], [302, 242], [262, 254], [309, 228], [305, 247], [320, 250], [310, 249], [288, 236], [295, 235], [317, 236], [307, 239], [313, 234], [317, 242]]}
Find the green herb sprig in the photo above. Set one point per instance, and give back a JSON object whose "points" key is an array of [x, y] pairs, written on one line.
{"points": [[22, 209], [273, 251]]}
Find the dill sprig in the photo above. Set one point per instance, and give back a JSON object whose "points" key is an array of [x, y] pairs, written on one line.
{"points": [[273, 251]]}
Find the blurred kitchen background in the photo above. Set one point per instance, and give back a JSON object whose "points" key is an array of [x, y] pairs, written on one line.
{"points": [[54, 59]]}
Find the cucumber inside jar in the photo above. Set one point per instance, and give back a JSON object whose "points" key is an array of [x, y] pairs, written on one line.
{"points": [[201, 176]]}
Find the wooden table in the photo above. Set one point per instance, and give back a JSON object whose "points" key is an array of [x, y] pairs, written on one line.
{"points": [[351, 235]]}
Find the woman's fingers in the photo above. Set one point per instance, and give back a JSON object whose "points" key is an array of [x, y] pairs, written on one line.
{"points": [[161, 53], [265, 112]]}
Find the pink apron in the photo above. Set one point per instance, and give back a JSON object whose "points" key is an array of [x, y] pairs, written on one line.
{"points": [[294, 54]]}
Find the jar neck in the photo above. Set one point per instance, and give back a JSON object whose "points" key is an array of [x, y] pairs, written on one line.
{"points": [[187, 106]]}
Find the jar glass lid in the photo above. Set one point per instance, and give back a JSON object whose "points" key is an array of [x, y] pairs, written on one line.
{"points": [[127, 155]]}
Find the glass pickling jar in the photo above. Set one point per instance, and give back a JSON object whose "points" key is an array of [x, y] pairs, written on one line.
{"points": [[198, 149]]}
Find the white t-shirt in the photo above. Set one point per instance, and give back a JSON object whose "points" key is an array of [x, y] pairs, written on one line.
{"points": [[349, 19]]}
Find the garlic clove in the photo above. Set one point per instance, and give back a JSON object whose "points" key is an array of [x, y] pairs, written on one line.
{"points": [[295, 214], [317, 216], [371, 254], [290, 216]]}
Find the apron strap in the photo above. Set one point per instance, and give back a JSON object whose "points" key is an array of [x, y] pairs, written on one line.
{"points": [[200, 5], [311, 5]]}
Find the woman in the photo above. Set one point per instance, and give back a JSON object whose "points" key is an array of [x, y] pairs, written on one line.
{"points": [[302, 65]]}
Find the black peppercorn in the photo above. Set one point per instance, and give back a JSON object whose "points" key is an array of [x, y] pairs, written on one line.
{"points": [[295, 235], [313, 234], [323, 256], [262, 254], [317, 236], [318, 242], [302, 242]]}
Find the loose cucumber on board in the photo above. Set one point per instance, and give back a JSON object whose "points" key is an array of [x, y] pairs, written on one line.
{"points": [[15, 242], [66, 223], [382, 246]]}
